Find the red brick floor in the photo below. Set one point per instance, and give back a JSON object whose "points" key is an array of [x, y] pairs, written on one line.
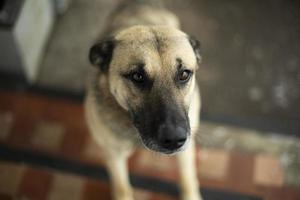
{"points": [[56, 127]]}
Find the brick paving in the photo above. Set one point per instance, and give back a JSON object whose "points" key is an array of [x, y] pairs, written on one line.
{"points": [[56, 127]]}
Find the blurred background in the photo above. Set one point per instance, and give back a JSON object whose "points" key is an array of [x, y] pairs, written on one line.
{"points": [[249, 145]]}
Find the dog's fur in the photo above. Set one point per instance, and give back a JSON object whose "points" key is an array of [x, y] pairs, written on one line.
{"points": [[143, 41]]}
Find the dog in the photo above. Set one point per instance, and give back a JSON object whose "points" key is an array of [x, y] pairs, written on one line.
{"points": [[143, 91]]}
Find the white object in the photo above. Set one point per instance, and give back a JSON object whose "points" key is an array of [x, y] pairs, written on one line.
{"points": [[24, 43]]}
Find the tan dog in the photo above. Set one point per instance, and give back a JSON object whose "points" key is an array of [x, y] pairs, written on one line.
{"points": [[144, 91]]}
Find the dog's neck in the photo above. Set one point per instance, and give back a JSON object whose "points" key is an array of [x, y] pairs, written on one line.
{"points": [[108, 108], [100, 88]]}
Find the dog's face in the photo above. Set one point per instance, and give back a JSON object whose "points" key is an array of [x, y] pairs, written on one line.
{"points": [[151, 73]]}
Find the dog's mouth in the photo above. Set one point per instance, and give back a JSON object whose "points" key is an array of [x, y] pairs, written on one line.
{"points": [[154, 146], [164, 140]]}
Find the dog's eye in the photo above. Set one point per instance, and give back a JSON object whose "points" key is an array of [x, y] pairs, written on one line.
{"points": [[184, 76], [137, 77]]}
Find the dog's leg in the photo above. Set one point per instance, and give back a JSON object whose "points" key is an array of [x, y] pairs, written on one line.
{"points": [[117, 168], [187, 174]]}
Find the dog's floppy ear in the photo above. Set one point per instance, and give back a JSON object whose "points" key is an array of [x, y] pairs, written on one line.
{"points": [[101, 53], [197, 48]]}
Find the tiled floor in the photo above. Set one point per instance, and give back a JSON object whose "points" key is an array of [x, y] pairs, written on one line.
{"points": [[27, 182], [55, 127]]}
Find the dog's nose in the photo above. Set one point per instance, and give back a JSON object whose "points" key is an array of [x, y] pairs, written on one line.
{"points": [[172, 138]]}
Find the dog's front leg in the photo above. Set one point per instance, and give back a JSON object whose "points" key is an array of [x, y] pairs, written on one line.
{"points": [[117, 168], [187, 174]]}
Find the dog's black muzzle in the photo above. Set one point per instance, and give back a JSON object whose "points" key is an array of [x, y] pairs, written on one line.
{"points": [[163, 126]]}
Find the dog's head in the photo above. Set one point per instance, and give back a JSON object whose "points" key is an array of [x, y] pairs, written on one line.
{"points": [[151, 73]]}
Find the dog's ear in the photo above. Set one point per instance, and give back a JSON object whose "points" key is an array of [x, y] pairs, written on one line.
{"points": [[101, 53], [197, 48]]}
